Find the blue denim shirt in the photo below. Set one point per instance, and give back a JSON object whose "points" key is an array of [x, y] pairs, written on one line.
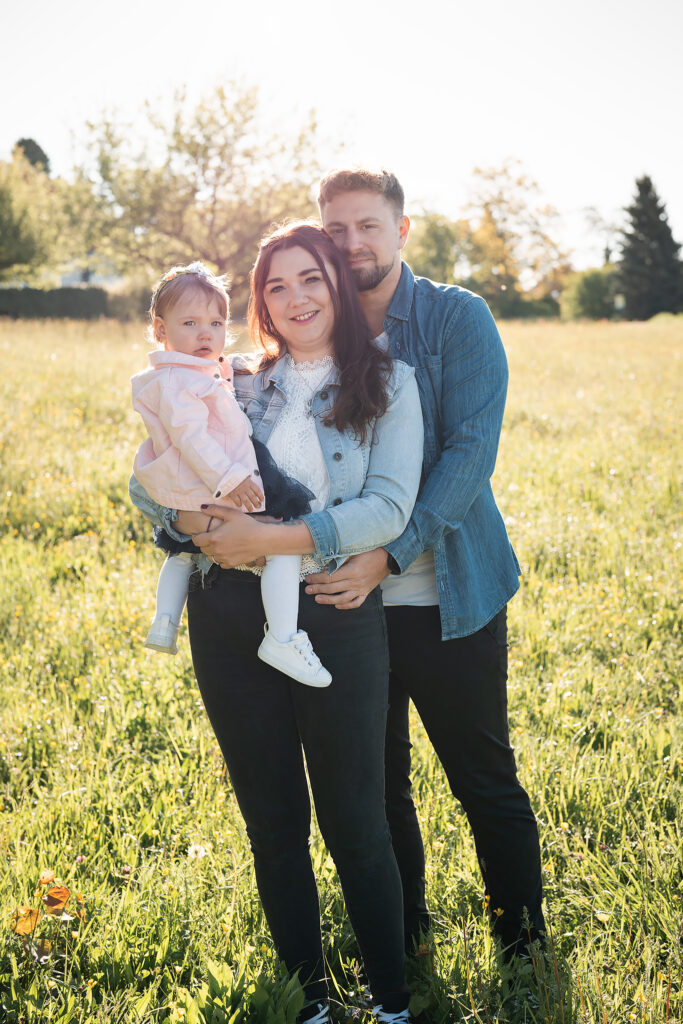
{"points": [[450, 337], [372, 485]]}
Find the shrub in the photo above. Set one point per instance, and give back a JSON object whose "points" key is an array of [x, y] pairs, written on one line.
{"points": [[589, 295], [58, 303]]}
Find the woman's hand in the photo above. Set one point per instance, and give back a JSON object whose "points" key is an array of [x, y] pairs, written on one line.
{"points": [[237, 540]]}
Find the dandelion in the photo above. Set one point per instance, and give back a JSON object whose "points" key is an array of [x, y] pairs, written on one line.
{"points": [[196, 852]]}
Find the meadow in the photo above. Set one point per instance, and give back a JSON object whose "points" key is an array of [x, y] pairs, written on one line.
{"points": [[127, 892]]}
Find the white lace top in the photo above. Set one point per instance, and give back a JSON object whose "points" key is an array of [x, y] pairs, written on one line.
{"points": [[294, 443]]}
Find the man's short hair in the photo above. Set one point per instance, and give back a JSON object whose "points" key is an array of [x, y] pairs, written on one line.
{"points": [[360, 179]]}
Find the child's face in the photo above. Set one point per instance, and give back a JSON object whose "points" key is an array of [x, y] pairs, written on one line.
{"points": [[194, 326]]}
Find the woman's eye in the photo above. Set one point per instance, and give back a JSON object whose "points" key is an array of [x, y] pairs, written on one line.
{"points": [[313, 278]]}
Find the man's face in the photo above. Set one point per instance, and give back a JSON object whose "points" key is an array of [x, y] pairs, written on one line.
{"points": [[370, 233]]}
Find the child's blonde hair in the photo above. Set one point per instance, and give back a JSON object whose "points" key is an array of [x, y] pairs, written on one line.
{"points": [[179, 280]]}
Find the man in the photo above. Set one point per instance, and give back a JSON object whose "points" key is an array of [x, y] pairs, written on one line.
{"points": [[447, 579]]}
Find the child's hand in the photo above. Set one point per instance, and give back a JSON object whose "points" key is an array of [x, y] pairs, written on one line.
{"points": [[247, 495]]}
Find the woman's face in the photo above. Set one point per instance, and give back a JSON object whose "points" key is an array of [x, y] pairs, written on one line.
{"points": [[299, 303]]}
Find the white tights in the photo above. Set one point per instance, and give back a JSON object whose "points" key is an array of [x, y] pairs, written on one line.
{"points": [[279, 591]]}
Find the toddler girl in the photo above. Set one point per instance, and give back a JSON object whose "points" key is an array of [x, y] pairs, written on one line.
{"points": [[200, 451]]}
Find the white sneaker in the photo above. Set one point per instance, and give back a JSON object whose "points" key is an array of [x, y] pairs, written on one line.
{"points": [[296, 658], [322, 1016], [162, 635], [383, 1017]]}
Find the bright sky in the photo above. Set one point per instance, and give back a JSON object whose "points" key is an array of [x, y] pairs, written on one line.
{"points": [[588, 94]]}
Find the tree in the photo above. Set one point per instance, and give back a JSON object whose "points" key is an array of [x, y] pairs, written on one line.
{"points": [[434, 247], [30, 217], [590, 294], [207, 184], [509, 252], [650, 273], [34, 153]]}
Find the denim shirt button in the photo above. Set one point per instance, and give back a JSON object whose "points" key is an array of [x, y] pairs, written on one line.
{"points": [[324, 395], [337, 501], [337, 456]]}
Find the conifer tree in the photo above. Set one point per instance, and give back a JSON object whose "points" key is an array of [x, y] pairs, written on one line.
{"points": [[650, 271]]}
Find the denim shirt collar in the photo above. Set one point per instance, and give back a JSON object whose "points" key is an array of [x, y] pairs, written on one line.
{"points": [[402, 299]]}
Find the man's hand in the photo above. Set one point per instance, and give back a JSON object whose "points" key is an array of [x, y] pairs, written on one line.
{"points": [[247, 496], [234, 541], [352, 582]]}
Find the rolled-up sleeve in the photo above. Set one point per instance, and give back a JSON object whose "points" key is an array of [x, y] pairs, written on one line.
{"points": [[382, 509]]}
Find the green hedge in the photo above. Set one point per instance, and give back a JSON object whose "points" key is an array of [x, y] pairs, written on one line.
{"points": [[62, 303], [73, 303]]}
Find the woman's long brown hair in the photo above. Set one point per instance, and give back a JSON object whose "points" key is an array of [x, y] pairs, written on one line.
{"points": [[364, 368]]}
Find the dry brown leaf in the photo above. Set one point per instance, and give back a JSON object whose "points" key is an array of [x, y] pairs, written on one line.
{"points": [[55, 899], [24, 920]]}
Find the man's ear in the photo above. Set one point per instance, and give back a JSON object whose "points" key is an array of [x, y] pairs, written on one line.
{"points": [[403, 229]]}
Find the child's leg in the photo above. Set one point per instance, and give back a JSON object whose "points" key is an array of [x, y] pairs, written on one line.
{"points": [[285, 646], [280, 595], [171, 596]]}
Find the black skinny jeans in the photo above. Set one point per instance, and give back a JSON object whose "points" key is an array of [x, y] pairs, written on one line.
{"points": [[459, 688], [265, 723]]}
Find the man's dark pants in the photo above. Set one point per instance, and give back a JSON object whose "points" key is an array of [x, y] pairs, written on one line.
{"points": [[459, 688]]}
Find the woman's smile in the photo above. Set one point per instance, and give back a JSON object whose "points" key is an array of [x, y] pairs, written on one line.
{"points": [[295, 280]]}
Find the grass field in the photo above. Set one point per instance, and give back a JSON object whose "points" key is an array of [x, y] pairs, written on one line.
{"points": [[110, 776]]}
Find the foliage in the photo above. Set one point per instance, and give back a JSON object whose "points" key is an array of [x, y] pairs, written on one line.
{"points": [[433, 247], [37, 229], [110, 774], [23, 194], [650, 270], [589, 294], [509, 249], [205, 184], [69, 303], [34, 153]]}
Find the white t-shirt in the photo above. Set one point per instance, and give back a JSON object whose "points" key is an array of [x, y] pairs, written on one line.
{"points": [[417, 584]]}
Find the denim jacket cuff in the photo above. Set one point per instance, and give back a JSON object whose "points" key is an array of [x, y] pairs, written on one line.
{"points": [[406, 548], [324, 534]]}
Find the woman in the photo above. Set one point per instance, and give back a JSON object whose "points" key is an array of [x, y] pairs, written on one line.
{"points": [[339, 416]]}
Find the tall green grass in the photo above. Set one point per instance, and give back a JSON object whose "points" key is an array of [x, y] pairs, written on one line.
{"points": [[110, 776]]}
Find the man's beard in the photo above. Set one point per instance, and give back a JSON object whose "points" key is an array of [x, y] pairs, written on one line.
{"points": [[367, 279]]}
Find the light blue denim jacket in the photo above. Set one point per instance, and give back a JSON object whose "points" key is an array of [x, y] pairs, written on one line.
{"points": [[372, 485], [450, 337]]}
